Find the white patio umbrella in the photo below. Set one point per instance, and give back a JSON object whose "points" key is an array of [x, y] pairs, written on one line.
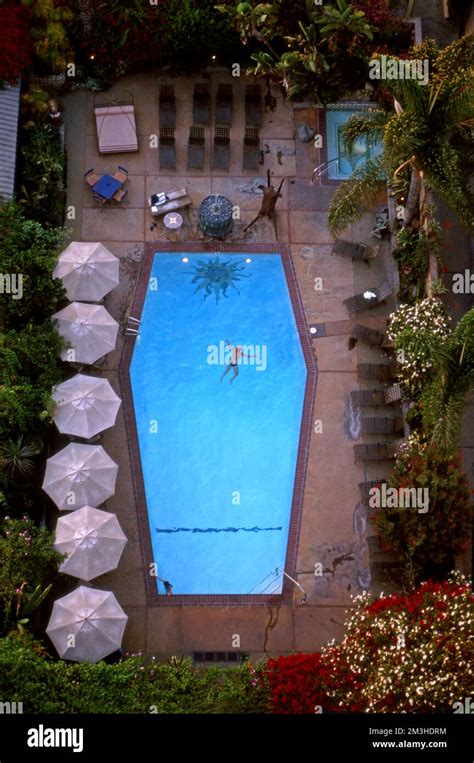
{"points": [[89, 329], [86, 405], [80, 475], [93, 541], [88, 271], [86, 625]]}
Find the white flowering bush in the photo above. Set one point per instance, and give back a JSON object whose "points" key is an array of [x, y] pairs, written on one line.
{"points": [[417, 331]]}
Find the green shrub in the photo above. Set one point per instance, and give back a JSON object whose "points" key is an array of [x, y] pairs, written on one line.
{"points": [[40, 174]]}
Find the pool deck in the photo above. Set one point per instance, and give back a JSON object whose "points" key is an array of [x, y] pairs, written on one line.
{"points": [[328, 533]]}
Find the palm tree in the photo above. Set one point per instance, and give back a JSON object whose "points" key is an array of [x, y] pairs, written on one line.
{"points": [[427, 134], [444, 398], [16, 457]]}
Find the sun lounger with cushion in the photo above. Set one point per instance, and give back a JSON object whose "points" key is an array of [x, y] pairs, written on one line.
{"points": [[116, 129]]}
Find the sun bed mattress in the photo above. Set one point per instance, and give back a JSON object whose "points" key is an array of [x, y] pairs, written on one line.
{"points": [[116, 129]]}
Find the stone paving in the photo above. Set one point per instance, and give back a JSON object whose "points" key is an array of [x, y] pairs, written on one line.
{"points": [[332, 532]]}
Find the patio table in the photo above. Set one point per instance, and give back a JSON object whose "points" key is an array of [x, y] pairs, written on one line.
{"points": [[106, 186]]}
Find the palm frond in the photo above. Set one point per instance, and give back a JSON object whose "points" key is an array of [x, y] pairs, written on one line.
{"points": [[367, 124], [356, 196]]}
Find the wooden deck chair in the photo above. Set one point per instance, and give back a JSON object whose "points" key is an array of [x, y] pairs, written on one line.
{"points": [[224, 102], [377, 451], [368, 398], [376, 371], [196, 148], [354, 251], [381, 425], [167, 149], [167, 106], [201, 104], [251, 149], [369, 298], [253, 105], [372, 337], [221, 151]]}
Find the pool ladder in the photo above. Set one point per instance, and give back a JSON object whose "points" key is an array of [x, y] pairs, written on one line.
{"points": [[320, 170], [133, 326]]}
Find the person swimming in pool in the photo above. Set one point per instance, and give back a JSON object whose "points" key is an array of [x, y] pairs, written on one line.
{"points": [[236, 354]]}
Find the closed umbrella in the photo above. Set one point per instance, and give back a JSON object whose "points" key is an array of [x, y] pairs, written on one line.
{"points": [[88, 271], [89, 329], [93, 541], [80, 475], [87, 625], [85, 406]]}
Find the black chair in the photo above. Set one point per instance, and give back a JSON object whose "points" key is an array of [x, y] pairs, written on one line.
{"points": [[224, 103], [251, 148], [221, 152], [201, 104], [167, 149], [253, 105], [167, 106], [196, 148]]}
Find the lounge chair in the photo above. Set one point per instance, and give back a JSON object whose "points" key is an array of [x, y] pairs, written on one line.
{"points": [[251, 148], [221, 152], [161, 203], [392, 394], [201, 104], [224, 101], [354, 251], [365, 488], [377, 451], [167, 149], [372, 337], [167, 106], [376, 371], [116, 127], [382, 425], [196, 148], [91, 178], [369, 298], [253, 105], [368, 398], [382, 570]]}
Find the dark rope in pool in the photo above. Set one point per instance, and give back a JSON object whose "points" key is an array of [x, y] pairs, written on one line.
{"points": [[215, 529]]}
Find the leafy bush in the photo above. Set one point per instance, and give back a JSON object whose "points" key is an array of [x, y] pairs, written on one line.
{"points": [[426, 543], [400, 654], [418, 331], [44, 685], [41, 172], [412, 254], [28, 562]]}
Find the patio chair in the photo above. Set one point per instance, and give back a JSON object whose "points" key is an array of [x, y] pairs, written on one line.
{"points": [[120, 195], [196, 148], [221, 152], [167, 106], [251, 149], [382, 570], [392, 394], [91, 178], [376, 371], [121, 174], [368, 398], [355, 251], [369, 298], [377, 451], [224, 102], [374, 545], [382, 425], [253, 105], [201, 104], [167, 149], [372, 337]]}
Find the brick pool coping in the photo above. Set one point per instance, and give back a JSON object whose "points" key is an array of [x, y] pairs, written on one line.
{"points": [[286, 597]]}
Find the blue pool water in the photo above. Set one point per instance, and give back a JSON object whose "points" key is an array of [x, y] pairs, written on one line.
{"points": [[343, 163], [218, 458]]}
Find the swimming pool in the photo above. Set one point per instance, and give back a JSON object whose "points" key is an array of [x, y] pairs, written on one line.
{"points": [[218, 458], [342, 163]]}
